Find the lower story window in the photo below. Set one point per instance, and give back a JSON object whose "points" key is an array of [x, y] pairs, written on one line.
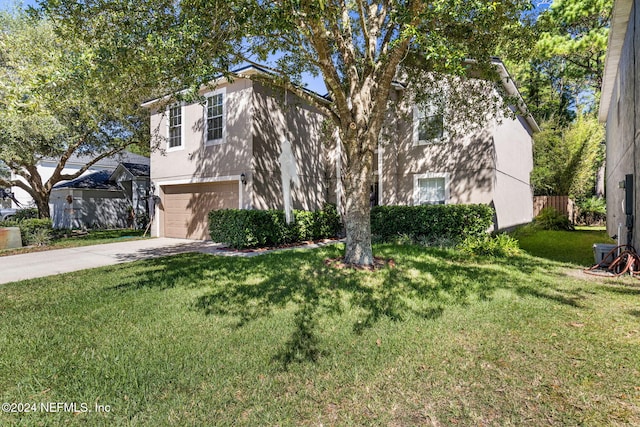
{"points": [[431, 189]]}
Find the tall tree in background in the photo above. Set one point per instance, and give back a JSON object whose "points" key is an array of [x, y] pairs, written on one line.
{"points": [[357, 47], [574, 33], [561, 85], [564, 72], [56, 102], [567, 157]]}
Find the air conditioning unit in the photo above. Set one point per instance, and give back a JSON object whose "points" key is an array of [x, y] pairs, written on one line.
{"points": [[601, 250]]}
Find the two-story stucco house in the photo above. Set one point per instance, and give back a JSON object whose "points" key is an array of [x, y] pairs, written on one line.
{"points": [[619, 103], [226, 153]]}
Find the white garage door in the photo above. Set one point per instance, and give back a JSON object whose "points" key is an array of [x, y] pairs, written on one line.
{"points": [[186, 207]]}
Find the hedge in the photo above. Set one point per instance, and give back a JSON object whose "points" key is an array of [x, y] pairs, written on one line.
{"points": [[30, 228], [240, 228], [430, 222]]}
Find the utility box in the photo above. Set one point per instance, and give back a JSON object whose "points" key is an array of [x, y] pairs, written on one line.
{"points": [[10, 238], [601, 250]]}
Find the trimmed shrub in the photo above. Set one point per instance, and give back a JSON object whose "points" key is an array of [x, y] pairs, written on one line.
{"points": [[430, 223], [327, 222], [551, 219], [239, 228], [34, 231], [26, 213]]}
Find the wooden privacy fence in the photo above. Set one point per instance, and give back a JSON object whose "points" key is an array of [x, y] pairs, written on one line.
{"points": [[562, 204]]}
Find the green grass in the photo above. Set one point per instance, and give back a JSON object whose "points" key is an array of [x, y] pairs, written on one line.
{"points": [[283, 339], [74, 239], [575, 247]]}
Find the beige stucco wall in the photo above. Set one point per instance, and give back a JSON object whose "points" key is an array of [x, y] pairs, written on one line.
{"points": [[275, 120], [490, 166], [256, 122], [195, 161], [512, 193], [467, 161], [623, 141]]}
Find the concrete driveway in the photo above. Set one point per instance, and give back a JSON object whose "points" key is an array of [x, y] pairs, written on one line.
{"points": [[56, 261]]}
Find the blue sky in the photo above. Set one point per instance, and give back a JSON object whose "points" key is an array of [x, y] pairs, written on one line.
{"points": [[8, 4]]}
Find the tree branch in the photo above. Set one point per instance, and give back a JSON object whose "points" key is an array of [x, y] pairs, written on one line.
{"points": [[83, 169], [17, 168], [55, 177], [15, 183], [365, 29], [318, 39], [386, 71]]}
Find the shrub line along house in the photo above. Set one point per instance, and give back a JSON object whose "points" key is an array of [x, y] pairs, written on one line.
{"points": [[619, 104], [227, 152]]}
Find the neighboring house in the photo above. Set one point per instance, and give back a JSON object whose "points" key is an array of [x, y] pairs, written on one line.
{"points": [[226, 153], [619, 104], [46, 167], [134, 179], [102, 199]]}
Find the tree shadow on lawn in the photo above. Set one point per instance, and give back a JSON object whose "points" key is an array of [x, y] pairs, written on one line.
{"points": [[424, 283], [540, 279], [467, 277], [622, 289]]}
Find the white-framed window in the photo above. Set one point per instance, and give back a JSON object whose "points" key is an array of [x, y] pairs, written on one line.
{"points": [[429, 126], [431, 189], [174, 127], [215, 117]]}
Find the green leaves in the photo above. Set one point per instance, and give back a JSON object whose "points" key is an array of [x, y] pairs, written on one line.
{"points": [[566, 158], [241, 228], [430, 222], [61, 94]]}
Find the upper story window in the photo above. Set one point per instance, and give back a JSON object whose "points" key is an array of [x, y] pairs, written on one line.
{"points": [[431, 189], [215, 117], [428, 126], [431, 128], [175, 126]]}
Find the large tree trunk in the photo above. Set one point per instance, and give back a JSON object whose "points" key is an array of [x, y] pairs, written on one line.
{"points": [[357, 219], [42, 203]]}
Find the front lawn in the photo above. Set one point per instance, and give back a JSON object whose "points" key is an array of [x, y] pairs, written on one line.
{"points": [[575, 247], [71, 239], [285, 339]]}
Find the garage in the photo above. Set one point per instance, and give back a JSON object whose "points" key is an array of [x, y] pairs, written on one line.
{"points": [[187, 206]]}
